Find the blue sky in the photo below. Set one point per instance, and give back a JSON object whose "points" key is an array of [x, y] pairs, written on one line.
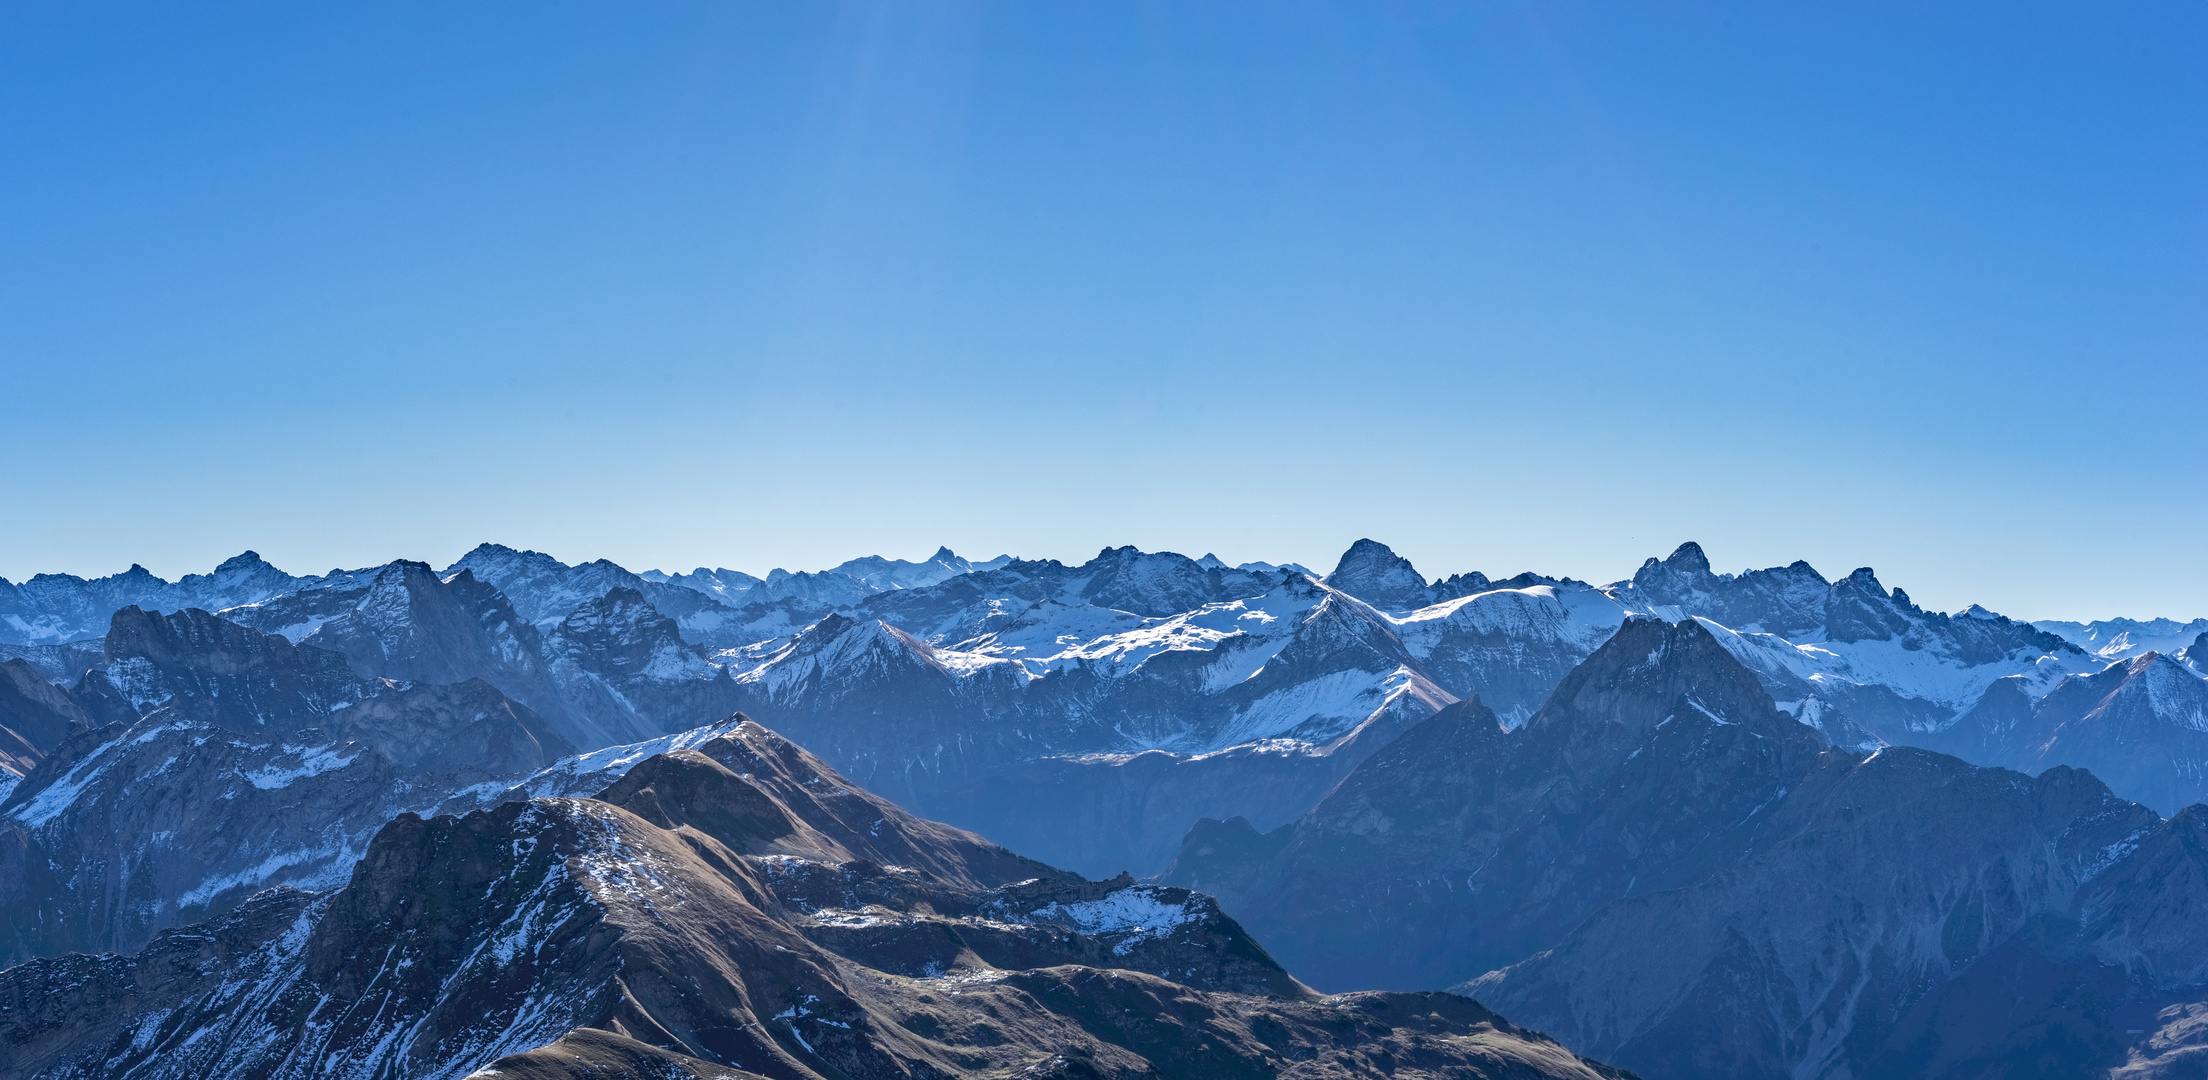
{"points": [[1549, 286]]}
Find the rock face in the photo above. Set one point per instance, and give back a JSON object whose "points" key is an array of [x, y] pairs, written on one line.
{"points": [[211, 669], [619, 659], [464, 733], [35, 716], [2195, 655], [193, 666], [408, 625], [736, 906], [544, 591], [1663, 869], [63, 664], [883, 574], [613, 669], [131, 829]]}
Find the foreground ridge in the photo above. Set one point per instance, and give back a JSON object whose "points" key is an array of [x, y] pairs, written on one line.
{"points": [[735, 905]]}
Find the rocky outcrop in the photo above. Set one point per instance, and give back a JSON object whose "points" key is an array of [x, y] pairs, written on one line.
{"points": [[1837, 641], [62, 664], [409, 625], [544, 590], [613, 669], [466, 732]]}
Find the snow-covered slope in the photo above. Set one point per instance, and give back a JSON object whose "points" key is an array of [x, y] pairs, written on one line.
{"points": [[844, 584]]}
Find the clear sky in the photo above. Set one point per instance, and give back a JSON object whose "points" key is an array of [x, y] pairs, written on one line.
{"points": [[1509, 286]]}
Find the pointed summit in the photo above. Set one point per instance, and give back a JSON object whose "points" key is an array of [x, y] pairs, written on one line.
{"points": [[1688, 558], [244, 560], [1864, 578], [1375, 574], [1680, 577], [1652, 671]]}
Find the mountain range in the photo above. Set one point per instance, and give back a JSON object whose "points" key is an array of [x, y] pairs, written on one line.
{"points": [[1596, 807], [1148, 687]]}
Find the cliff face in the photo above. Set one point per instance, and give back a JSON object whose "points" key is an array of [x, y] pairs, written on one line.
{"points": [[35, 716]]}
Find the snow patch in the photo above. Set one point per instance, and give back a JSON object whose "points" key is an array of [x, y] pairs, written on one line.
{"points": [[585, 774], [1319, 708], [338, 854], [1141, 912], [312, 761]]}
